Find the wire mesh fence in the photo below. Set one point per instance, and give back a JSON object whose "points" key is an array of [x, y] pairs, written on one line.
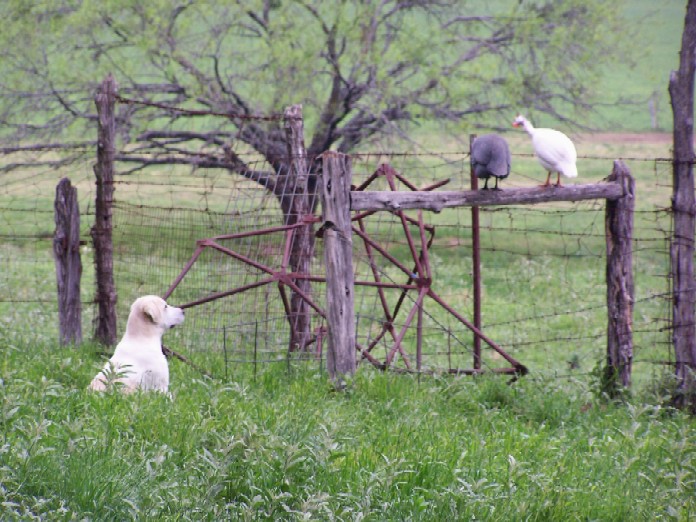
{"points": [[543, 267], [28, 301]]}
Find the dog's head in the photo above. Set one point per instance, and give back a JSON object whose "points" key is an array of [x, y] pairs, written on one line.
{"points": [[153, 311]]}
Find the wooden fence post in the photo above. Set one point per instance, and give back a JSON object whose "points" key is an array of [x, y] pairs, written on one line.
{"points": [[681, 91], [66, 248], [338, 257], [619, 274], [101, 233], [303, 238]]}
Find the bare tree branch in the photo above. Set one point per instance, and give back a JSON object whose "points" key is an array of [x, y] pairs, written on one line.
{"points": [[362, 69]]}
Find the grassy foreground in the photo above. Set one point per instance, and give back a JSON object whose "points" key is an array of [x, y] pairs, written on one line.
{"points": [[285, 447]]}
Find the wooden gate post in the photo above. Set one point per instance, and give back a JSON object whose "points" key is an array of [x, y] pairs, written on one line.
{"points": [[105, 101], [338, 257], [303, 239], [66, 248], [620, 291], [681, 92]]}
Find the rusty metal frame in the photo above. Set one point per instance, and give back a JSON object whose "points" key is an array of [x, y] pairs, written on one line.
{"points": [[419, 279], [422, 276]]}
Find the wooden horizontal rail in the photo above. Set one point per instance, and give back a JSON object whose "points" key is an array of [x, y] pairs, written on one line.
{"points": [[436, 201]]}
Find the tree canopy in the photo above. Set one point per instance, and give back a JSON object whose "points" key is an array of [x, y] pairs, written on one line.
{"points": [[361, 69]]}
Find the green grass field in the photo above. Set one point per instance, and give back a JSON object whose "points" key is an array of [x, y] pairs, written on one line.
{"points": [[284, 446], [274, 441], [644, 77]]}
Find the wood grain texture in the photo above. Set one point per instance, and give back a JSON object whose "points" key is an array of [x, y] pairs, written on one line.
{"points": [[436, 201], [66, 251], [102, 231], [619, 276], [338, 257]]}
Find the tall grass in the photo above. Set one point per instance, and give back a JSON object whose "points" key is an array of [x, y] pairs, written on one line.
{"points": [[284, 446]]}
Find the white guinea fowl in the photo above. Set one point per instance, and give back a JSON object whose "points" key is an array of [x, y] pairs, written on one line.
{"points": [[553, 149]]}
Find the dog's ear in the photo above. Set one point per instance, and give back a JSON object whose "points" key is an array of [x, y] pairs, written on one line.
{"points": [[153, 312]]}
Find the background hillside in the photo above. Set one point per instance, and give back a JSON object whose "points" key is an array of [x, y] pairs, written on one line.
{"points": [[633, 94], [655, 52]]}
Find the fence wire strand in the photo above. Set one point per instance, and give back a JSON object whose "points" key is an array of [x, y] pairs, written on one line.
{"points": [[543, 266]]}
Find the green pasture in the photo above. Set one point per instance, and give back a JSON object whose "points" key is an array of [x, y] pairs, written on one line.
{"points": [[284, 446], [643, 78]]}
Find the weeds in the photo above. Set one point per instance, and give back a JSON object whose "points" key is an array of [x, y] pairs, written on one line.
{"points": [[284, 447]]}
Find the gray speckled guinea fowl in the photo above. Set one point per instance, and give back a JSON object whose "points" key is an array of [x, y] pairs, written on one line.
{"points": [[490, 156]]}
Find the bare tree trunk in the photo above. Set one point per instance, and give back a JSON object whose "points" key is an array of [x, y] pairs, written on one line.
{"points": [[620, 293], [105, 101], [338, 256], [681, 90], [299, 207], [66, 248]]}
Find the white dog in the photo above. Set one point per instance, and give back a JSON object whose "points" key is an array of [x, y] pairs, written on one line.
{"points": [[138, 361]]}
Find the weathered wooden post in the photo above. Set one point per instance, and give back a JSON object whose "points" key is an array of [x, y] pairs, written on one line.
{"points": [[303, 239], [681, 92], [66, 249], [619, 274], [338, 257], [105, 101]]}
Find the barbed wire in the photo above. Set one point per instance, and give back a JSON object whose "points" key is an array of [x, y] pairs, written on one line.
{"points": [[156, 230]]}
